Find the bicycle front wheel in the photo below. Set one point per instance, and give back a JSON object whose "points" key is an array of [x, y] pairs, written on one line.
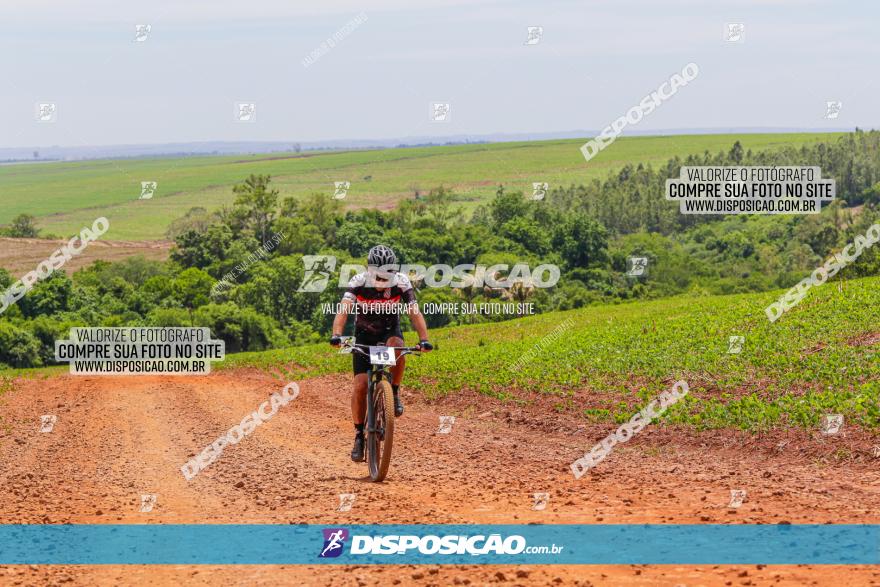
{"points": [[380, 437]]}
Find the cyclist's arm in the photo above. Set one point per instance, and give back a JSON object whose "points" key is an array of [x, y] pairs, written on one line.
{"points": [[408, 296], [342, 317], [348, 304]]}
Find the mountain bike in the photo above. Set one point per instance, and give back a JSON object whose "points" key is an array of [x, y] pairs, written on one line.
{"points": [[379, 428]]}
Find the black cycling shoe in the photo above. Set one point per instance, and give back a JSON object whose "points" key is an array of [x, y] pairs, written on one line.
{"points": [[398, 405], [357, 451]]}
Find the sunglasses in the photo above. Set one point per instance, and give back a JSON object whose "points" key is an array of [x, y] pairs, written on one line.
{"points": [[381, 277]]}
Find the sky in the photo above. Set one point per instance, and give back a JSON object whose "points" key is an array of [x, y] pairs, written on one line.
{"points": [[594, 61]]}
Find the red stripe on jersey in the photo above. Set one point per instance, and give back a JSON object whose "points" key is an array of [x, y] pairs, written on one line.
{"points": [[364, 300]]}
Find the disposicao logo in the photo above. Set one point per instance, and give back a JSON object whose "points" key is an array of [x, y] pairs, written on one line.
{"points": [[334, 542], [432, 544]]}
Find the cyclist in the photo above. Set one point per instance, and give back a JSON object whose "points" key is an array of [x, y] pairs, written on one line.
{"points": [[372, 296]]}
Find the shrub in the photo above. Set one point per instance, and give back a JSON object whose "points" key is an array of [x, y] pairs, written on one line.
{"points": [[18, 347], [243, 329]]}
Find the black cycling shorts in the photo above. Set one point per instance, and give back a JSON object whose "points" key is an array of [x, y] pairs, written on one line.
{"points": [[361, 363]]}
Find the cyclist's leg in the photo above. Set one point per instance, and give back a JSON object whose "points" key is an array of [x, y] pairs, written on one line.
{"points": [[396, 339], [400, 365], [359, 399], [358, 414], [360, 365]]}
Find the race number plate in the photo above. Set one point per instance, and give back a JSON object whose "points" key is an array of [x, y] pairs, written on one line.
{"points": [[381, 355]]}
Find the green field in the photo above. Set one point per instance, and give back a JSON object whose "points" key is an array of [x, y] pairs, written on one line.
{"points": [[821, 357], [67, 196]]}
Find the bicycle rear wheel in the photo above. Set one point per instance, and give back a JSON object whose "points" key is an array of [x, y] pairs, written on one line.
{"points": [[380, 437]]}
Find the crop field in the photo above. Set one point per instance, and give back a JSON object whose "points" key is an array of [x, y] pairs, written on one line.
{"points": [[66, 196], [605, 363]]}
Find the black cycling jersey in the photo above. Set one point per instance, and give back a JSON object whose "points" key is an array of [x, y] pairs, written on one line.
{"points": [[378, 311]]}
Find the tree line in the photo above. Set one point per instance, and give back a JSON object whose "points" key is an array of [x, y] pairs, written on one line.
{"points": [[589, 231]]}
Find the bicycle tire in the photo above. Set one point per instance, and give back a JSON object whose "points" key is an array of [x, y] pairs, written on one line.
{"points": [[381, 438]]}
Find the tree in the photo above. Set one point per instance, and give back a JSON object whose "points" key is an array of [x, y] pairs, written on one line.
{"points": [[582, 241], [196, 249], [289, 207], [243, 329], [257, 204], [321, 211], [438, 206], [197, 219], [300, 237], [168, 317], [48, 329], [192, 288], [356, 238], [528, 233], [273, 291], [819, 232], [507, 206], [48, 296], [736, 153], [23, 226]]}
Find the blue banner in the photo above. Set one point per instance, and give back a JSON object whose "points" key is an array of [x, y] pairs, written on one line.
{"points": [[562, 544]]}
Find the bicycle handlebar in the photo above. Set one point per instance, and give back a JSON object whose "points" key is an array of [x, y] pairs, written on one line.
{"points": [[396, 348], [360, 348]]}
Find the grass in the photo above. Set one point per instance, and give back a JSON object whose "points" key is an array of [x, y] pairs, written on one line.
{"points": [[67, 196], [9, 375], [614, 359], [6, 383]]}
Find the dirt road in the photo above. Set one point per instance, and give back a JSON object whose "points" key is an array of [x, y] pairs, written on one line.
{"points": [[118, 438]]}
